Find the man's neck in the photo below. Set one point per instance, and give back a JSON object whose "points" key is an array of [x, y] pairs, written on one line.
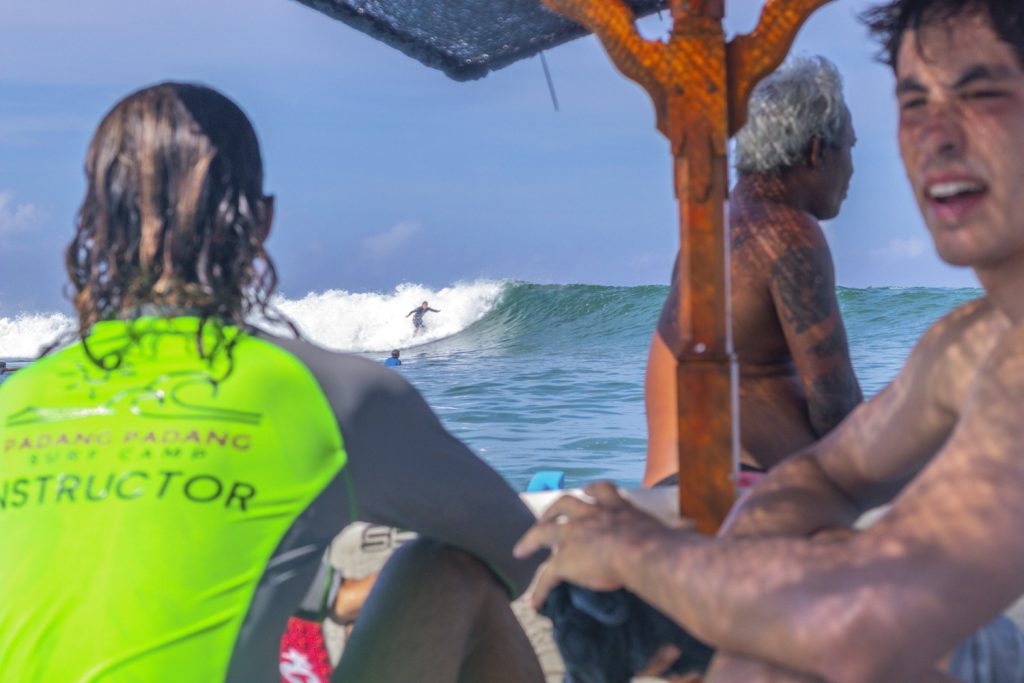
{"points": [[1004, 283], [781, 188]]}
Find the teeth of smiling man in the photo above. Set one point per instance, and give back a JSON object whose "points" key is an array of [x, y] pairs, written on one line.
{"points": [[953, 188]]}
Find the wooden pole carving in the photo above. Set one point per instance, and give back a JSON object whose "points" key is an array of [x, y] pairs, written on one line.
{"points": [[700, 86]]}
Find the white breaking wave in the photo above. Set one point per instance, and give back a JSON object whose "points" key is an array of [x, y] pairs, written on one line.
{"points": [[363, 322], [345, 321], [26, 334]]}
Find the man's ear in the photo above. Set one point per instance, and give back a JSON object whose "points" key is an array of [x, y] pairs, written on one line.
{"points": [[815, 152], [268, 217]]}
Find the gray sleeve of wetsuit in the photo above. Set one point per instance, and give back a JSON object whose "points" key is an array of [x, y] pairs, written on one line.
{"points": [[409, 472]]}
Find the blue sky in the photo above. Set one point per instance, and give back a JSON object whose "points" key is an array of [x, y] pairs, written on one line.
{"points": [[386, 171]]}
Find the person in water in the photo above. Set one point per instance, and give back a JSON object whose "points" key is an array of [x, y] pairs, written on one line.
{"points": [[794, 164], [190, 468], [417, 316], [394, 359], [789, 591]]}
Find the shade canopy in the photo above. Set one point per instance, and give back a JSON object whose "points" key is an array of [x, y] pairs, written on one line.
{"points": [[466, 39]]}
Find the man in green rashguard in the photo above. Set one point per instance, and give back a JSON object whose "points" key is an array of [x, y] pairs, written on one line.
{"points": [[188, 469]]}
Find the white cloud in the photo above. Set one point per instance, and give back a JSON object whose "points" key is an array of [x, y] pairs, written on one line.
{"points": [[17, 218], [385, 244], [901, 249]]}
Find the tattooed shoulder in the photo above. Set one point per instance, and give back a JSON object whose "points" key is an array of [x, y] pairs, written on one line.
{"points": [[802, 278]]}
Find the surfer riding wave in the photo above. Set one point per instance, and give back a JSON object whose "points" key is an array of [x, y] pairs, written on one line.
{"points": [[417, 316]]}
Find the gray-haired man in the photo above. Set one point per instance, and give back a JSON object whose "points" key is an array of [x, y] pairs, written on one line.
{"points": [[796, 380]]}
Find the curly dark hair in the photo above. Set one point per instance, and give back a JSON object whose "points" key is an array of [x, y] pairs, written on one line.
{"points": [[888, 22], [174, 217]]}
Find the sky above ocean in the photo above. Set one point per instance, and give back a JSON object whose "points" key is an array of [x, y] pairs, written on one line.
{"points": [[385, 171]]}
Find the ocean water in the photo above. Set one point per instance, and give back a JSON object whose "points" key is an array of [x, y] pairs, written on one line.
{"points": [[542, 376]]}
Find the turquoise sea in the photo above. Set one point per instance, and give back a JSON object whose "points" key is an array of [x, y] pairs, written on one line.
{"points": [[544, 376]]}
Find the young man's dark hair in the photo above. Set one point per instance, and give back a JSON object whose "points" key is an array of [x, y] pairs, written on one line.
{"points": [[889, 22]]}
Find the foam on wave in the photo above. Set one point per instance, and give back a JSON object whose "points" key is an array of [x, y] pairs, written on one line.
{"points": [[375, 321], [26, 334]]}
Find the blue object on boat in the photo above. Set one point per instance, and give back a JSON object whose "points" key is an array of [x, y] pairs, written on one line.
{"points": [[546, 480]]}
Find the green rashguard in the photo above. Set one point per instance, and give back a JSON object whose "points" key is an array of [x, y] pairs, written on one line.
{"points": [[159, 521]]}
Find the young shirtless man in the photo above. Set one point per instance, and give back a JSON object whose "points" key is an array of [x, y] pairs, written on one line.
{"points": [[944, 443], [796, 379]]}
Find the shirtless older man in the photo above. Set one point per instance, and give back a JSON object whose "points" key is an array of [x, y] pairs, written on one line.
{"points": [[944, 442], [796, 380]]}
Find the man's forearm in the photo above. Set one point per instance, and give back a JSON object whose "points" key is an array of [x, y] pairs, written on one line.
{"points": [[832, 396], [730, 669], [748, 596], [726, 668], [796, 499], [791, 602]]}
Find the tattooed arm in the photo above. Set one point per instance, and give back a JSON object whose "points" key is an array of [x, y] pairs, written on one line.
{"points": [[803, 291]]}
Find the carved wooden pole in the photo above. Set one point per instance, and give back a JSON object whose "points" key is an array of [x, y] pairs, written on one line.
{"points": [[700, 86]]}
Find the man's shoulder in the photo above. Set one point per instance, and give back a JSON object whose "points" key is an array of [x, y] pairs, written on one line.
{"points": [[975, 325], [950, 356], [774, 217], [1003, 369], [990, 409], [776, 230]]}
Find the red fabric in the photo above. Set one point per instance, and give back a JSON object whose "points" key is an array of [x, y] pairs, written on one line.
{"points": [[304, 657], [748, 479]]}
